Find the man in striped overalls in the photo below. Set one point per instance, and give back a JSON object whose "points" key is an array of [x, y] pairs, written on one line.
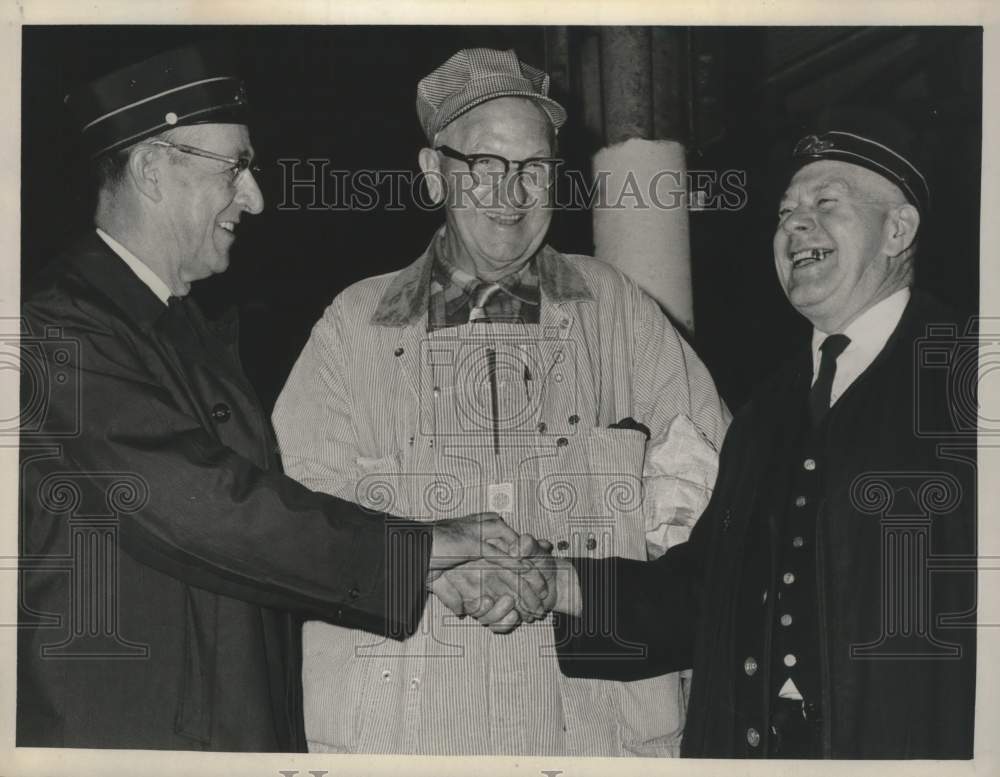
{"points": [[497, 373]]}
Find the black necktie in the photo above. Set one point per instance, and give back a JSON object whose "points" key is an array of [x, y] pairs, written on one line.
{"points": [[819, 396]]}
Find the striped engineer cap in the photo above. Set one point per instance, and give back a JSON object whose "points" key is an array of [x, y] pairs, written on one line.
{"points": [[196, 84], [473, 76]]}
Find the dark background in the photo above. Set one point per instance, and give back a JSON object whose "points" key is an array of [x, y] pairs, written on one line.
{"points": [[347, 94]]}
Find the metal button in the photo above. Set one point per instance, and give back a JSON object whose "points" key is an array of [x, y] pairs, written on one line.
{"points": [[786, 620], [562, 544], [798, 542], [591, 543], [790, 660], [436, 391], [574, 419], [415, 683], [541, 427], [221, 412], [750, 666], [562, 442], [788, 578], [809, 464], [386, 674], [398, 352], [354, 593], [763, 597], [800, 501], [753, 737]]}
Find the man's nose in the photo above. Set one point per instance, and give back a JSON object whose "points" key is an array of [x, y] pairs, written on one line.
{"points": [[249, 196], [513, 193], [799, 220]]}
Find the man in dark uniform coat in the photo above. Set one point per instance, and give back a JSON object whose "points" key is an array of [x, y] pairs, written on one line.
{"points": [[166, 561], [826, 597]]}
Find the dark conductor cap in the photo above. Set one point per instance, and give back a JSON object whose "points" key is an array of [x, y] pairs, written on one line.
{"points": [[196, 84], [873, 152]]}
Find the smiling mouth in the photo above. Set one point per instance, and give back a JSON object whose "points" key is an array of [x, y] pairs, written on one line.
{"points": [[228, 226], [505, 219], [808, 256]]}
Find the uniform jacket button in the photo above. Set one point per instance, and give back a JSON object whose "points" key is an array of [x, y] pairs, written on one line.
{"points": [[221, 412], [562, 545], [753, 737], [562, 442], [574, 419], [541, 427], [591, 543], [750, 666], [354, 593]]}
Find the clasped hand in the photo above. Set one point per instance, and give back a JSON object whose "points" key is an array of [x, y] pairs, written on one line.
{"points": [[482, 568]]}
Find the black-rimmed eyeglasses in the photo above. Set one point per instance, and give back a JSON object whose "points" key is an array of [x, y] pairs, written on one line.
{"points": [[237, 164], [535, 174]]}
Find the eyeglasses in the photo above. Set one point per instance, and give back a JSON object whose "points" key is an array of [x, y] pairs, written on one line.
{"points": [[237, 164], [536, 174]]}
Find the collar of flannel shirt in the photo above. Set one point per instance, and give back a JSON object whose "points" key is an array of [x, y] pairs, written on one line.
{"points": [[453, 291]]}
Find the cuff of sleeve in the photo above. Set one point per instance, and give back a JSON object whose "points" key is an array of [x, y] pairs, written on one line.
{"points": [[590, 645], [407, 563]]}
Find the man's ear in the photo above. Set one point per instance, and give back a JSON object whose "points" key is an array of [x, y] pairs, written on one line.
{"points": [[901, 227], [430, 166], [145, 163]]}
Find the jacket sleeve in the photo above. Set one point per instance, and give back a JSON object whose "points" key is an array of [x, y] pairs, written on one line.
{"points": [[193, 508], [669, 378], [675, 396], [313, 417], [638, 618]]}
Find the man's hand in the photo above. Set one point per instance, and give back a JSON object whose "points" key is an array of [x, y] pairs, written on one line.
{"points": [[489, 593], [458, 540], [501, 590], [496, 595]]}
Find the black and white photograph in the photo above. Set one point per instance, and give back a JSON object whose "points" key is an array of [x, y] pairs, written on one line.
{"points": [[516, 393]]}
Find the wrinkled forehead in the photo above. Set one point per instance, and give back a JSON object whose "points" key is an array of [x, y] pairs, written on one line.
{"points": [[834, 174], [504, 119]]}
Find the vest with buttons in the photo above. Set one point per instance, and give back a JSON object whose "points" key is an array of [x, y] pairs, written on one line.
{"points": [[777, 634]]}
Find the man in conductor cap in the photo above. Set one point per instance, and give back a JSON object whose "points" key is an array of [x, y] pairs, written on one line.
{"points": [[166, 561], [496, 372], [826, 598]]}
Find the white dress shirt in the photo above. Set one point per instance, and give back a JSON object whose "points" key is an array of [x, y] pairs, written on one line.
{"points": [[869, 333], [147, 276]]}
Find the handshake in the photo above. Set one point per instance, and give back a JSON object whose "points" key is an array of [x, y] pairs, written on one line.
{"points": [[482, 568]]}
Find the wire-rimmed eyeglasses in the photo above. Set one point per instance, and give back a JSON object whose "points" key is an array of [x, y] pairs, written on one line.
{"points": [[237, 164]]}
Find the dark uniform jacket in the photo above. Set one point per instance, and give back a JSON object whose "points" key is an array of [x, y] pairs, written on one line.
{"points": [[166, 561], [896, 643]]}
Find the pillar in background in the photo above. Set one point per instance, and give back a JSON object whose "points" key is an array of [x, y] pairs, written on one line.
{"points": [[640, 216]]}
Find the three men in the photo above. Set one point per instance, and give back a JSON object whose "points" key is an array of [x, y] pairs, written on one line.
{"points": [[492, 372], [826, 597], [165, 559]]}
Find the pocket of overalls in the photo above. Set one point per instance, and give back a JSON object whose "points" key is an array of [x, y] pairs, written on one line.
{"points": [[593, 483]]}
